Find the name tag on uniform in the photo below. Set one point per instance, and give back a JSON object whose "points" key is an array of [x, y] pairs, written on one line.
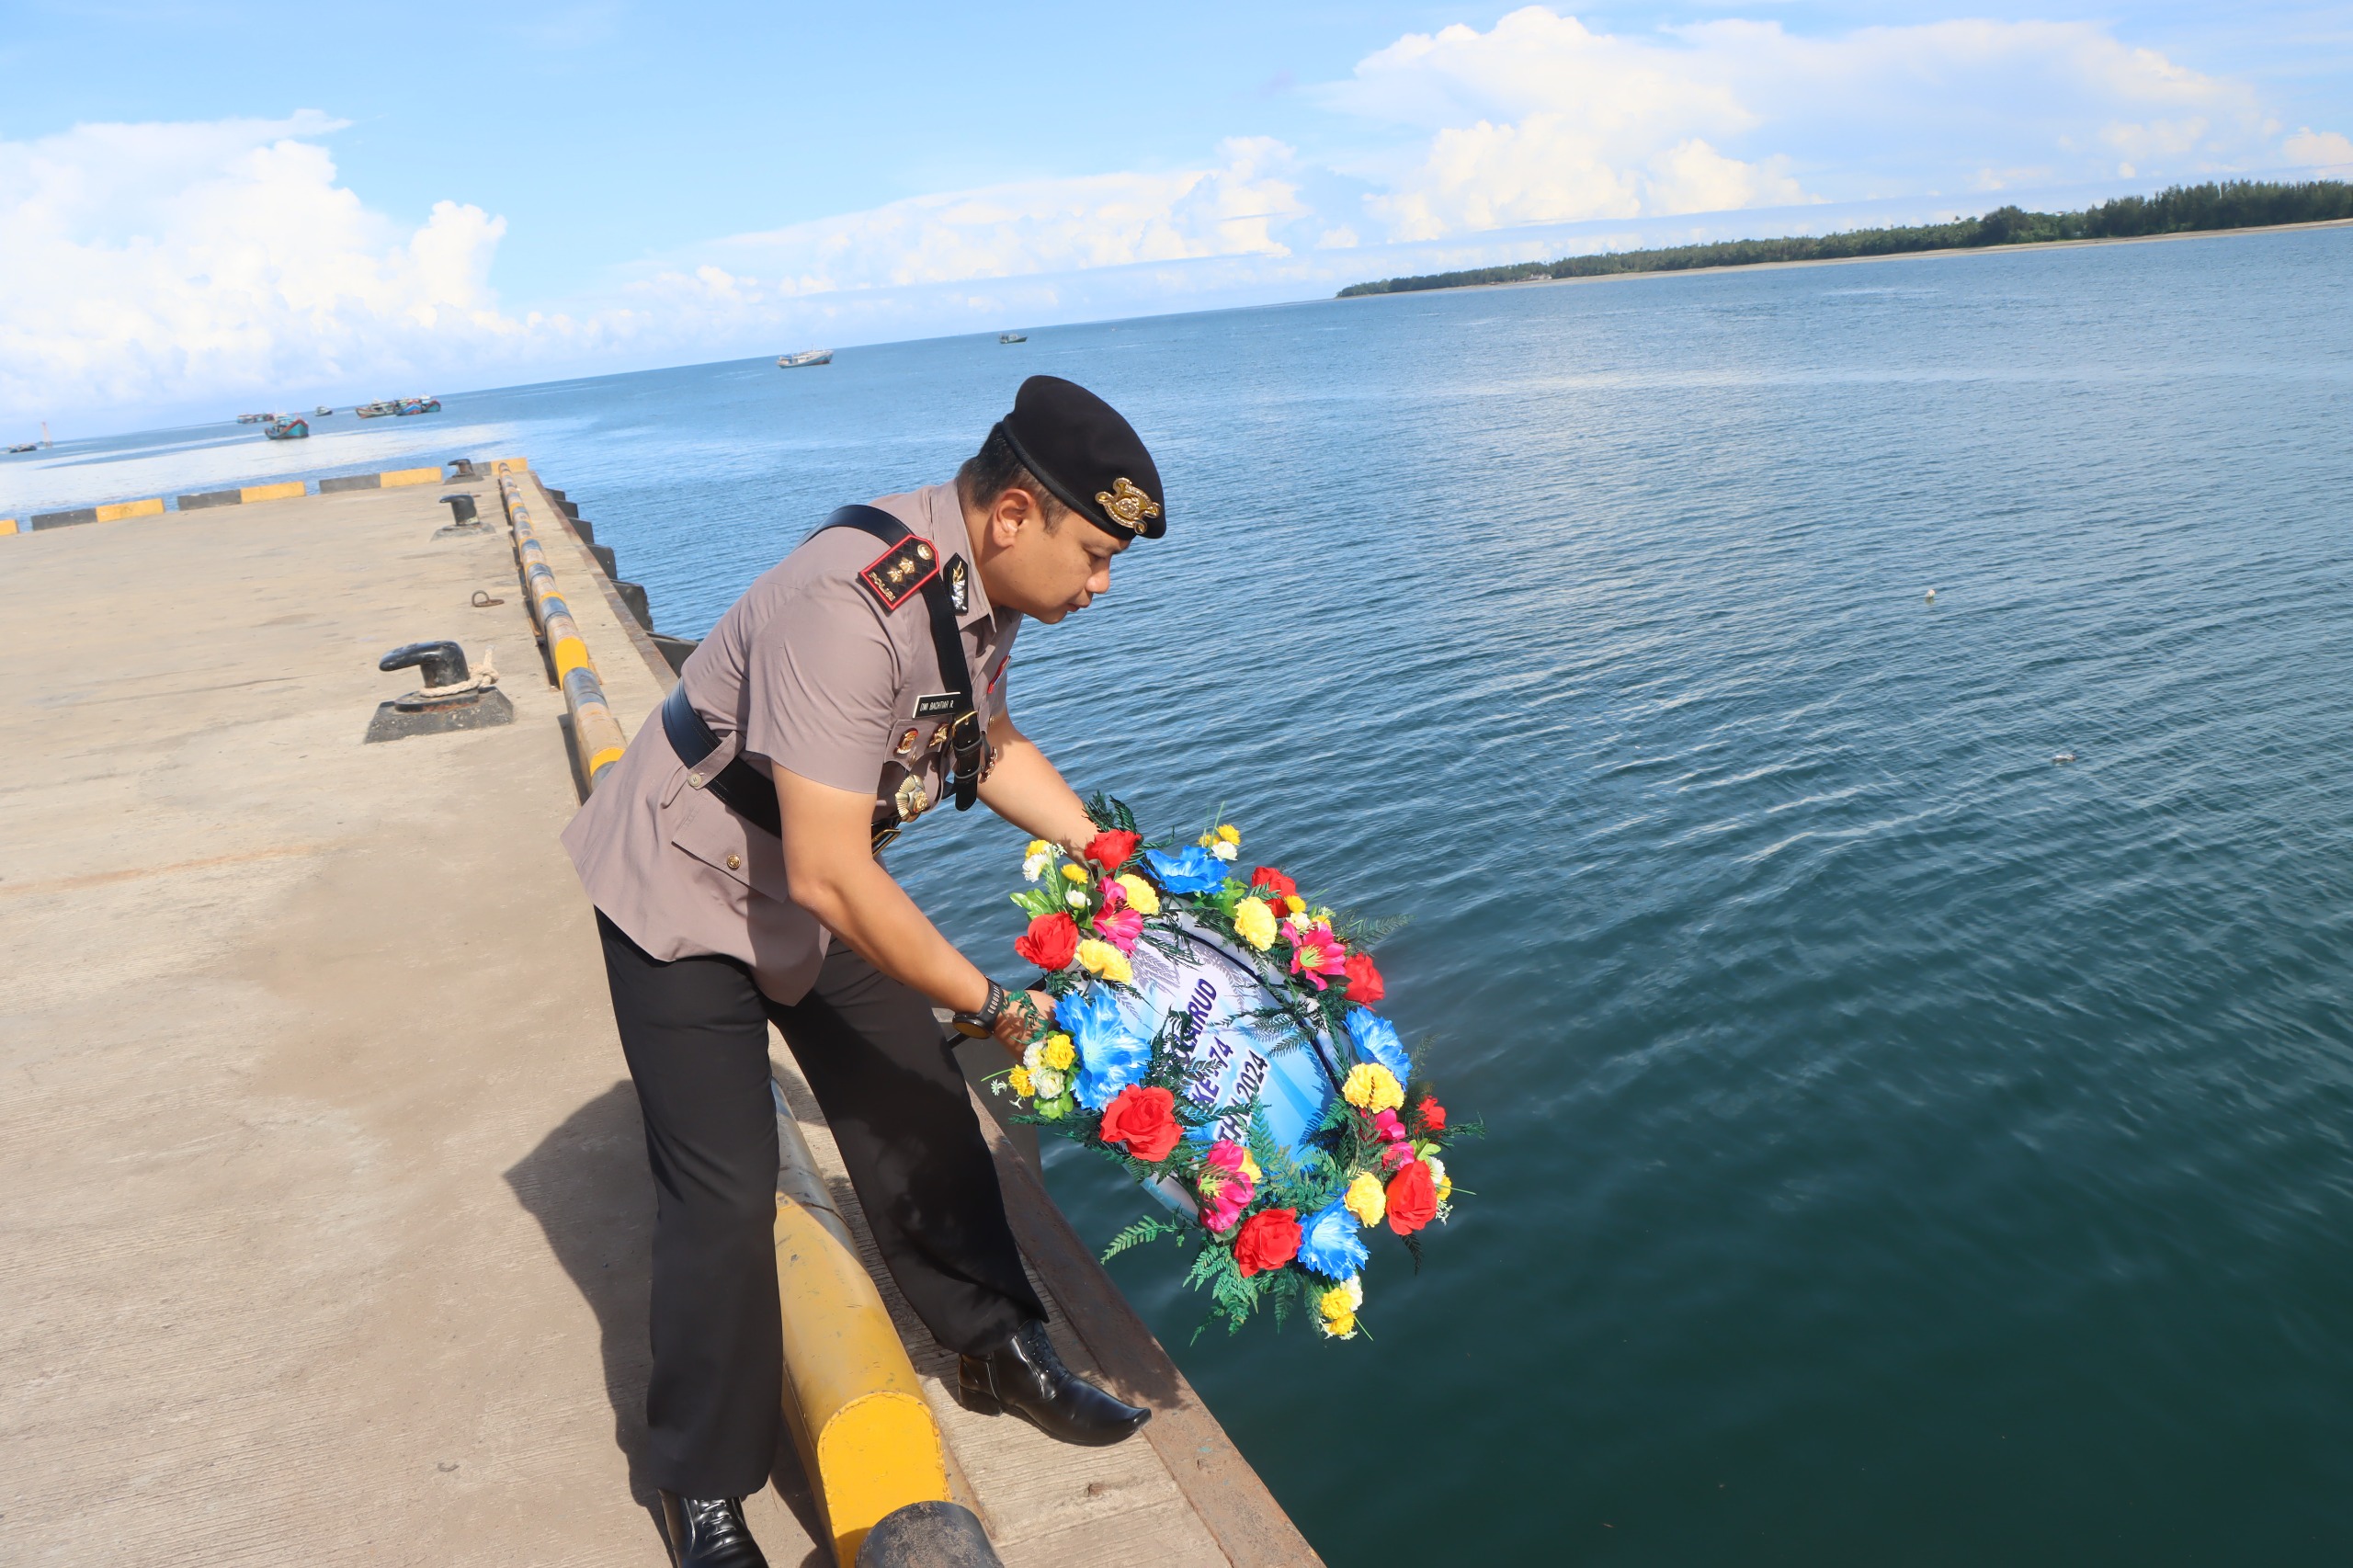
{"points": [[935, 705]]}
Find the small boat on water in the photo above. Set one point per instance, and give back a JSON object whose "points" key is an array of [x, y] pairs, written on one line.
{"points": [[419, 405], [805, 356], [377, 410], [322, 411], [26, 447], [1013, 338], [289, 431], [256, 418]]}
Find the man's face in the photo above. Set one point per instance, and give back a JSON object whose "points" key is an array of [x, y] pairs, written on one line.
{"points": [[1044, 573]]}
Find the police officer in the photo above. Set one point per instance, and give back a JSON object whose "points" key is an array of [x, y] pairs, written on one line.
{"points": [[730, 855]]}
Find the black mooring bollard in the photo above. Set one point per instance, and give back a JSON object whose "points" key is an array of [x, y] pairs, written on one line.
{"points": [[928, 1535], [453, 697], [441, 662]]}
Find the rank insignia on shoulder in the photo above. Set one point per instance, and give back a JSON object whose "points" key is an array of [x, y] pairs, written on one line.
{"points": [[897, 574], [959, 585]]}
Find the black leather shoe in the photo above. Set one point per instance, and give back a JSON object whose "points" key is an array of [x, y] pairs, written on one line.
{"points": [[1025, 1376], [708, 1532]]}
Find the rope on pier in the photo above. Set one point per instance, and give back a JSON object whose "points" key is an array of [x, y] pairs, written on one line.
{"points": [[594, 729]]}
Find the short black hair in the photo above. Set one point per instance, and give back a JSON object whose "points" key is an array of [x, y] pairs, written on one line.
{"points": [[997, 468]]}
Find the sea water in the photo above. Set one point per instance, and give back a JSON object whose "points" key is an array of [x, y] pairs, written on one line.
{"points": [[1902, 1146]]}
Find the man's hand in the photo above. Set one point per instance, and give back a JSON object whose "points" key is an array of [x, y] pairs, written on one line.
{"points": [[1027, 1015]]}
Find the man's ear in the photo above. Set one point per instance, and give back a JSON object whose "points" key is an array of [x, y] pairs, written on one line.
{"points": [[1013, 508]]}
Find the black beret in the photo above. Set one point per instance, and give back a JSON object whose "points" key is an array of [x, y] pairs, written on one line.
{"points": [[1090, 458]]}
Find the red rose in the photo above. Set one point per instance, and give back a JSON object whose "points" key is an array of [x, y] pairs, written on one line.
{"points": [[1050, 942], [1272, 885], [1113, 850], [1413, 1198], [1364, 981], [1269, 1239], [1145, 1120], [1432, 1116]]}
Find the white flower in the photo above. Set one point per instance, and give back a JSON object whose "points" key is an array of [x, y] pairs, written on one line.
{"points": [[1034, 1058], [1076, 899], [1047, 1083], [1224, 850]]}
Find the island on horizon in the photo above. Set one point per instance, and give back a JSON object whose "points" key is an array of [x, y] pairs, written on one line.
{"points": [[2179, 209]]}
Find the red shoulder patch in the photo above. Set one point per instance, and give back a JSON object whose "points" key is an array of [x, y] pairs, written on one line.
{"points": [[898, 572]]}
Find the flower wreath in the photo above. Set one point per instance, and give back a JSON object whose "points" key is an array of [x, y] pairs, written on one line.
{"points": [[1269, 1226]]}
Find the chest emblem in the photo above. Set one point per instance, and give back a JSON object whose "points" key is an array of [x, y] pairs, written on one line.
{"points": [[911, 801], [959, 585], [896, 575]]}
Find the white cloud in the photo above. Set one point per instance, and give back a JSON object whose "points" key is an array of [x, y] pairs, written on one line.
{"points": [[1542, 119], [144, 263], [1235, 207], [2324, 150]]}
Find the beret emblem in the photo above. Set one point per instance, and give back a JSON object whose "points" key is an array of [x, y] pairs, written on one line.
{"points": [[1127, 505]]}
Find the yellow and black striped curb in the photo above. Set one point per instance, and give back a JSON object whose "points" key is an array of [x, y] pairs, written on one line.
{"points": [[594, 729], [284, 490]]}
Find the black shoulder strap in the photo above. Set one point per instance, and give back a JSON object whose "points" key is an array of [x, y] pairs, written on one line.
{"points": [[968, 732]]}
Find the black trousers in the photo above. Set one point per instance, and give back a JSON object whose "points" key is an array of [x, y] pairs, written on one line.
{"points": [[695, 1033]]}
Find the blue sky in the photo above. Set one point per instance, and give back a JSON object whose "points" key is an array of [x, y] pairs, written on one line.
{"points": [[201, 207]]}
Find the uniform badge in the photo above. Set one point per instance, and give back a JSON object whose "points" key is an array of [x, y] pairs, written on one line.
{"points": [[959, 585], [1127, 503], [933, 706], [896, 575], [911, 802], [906, 743]]}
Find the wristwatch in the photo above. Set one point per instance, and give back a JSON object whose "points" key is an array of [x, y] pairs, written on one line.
{"points": [[983, 1024]]}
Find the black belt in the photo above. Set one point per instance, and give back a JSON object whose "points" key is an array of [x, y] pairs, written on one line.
{"points": [[750, 795]]}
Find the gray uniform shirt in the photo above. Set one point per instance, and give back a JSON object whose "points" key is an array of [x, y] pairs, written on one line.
{"points": [[807, 672]]}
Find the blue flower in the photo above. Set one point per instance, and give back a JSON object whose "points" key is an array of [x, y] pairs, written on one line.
{"points": [[1328, 1242], [1375, 1038], [1192, 869], [1112, 1054]]}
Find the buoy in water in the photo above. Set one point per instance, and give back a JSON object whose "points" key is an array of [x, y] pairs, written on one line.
{"points": [[2064, 757], [1932, 596]]}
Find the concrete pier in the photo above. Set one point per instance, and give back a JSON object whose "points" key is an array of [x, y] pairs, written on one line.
{"points": [[327, 1222]]}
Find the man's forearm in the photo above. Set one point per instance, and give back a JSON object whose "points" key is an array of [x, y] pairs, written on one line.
{"points": [[1027, 791], [862, 905]]}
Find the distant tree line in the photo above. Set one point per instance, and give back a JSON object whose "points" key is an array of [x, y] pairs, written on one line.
{"points": [[2182, 209]]}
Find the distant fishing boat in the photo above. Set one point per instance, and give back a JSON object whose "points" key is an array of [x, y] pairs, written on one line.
{"points": [[256, 418], [1013, 338], [805, 356], [377, 410], [289, 431], [27, 446], [419, 405], [322, 411]]}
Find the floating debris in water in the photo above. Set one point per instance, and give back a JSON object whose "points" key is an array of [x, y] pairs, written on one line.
{"points": [[1932, 596], [2064, 757]]}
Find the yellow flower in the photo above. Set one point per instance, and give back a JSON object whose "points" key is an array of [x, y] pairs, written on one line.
{"points": [[1074, 873], [1366, 1200], [1021, 1084], [1338, 1301], [1341, 1327], [1036, 846], [1438, 1178], [1059, 1054], [1255, 922], [1103, 958], [1250, 1166], [1369, 1086], [1295, 904], [1229, 833], [1142, 896]]}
